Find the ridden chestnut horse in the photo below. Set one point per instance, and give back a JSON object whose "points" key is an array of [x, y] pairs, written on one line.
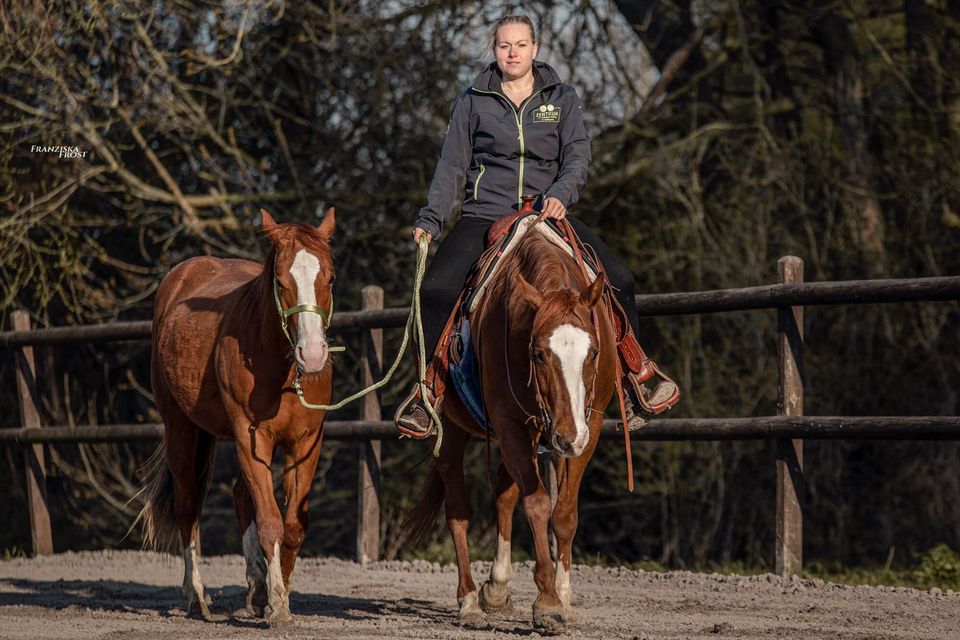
{"points": [[536, 333], [229, 338]]}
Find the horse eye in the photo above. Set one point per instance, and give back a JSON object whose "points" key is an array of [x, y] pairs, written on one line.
{"points": [[538, 356], [333, 277]]}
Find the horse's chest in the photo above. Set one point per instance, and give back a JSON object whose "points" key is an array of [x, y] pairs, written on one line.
{"points": [[292, 423]]}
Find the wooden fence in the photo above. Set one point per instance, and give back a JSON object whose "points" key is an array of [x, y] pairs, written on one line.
{"points": [[788, 428]]}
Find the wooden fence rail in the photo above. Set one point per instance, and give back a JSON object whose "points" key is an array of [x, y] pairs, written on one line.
{"points": [[658, 304], [788, 429]]}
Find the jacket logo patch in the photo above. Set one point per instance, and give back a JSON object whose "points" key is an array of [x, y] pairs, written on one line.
{"points": [[547, 113]]}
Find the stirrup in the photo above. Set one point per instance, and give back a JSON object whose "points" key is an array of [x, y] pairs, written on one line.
{"points": [[412, 419], [662, 397]]}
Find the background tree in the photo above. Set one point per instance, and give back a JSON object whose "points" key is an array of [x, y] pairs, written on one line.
{"points": [[725, 133]]}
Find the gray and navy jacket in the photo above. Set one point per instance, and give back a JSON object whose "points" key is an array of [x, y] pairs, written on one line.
{"points": [[501, 152]]}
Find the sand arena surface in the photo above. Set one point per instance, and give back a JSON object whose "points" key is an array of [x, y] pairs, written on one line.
{"points": [[133, 595]]}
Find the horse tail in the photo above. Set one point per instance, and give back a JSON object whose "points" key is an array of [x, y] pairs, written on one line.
{"points": [[157, 520], [420, 520]]}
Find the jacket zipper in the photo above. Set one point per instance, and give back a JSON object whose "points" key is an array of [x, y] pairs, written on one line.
{"points": [[518, 116], [476, 183]]}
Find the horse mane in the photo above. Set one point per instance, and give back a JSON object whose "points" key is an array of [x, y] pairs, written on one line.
{"points": [[545, 266]]}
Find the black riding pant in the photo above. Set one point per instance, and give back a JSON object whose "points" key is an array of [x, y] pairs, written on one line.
{"points": [[462, 247]]}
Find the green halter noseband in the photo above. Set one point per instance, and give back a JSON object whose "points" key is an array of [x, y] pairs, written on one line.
{"points": [[325, 317]]}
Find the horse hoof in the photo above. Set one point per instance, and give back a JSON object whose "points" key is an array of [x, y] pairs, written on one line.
{"points": [[199, 609], [249, 613], [495, 599], [474, 620], [551, 622], [470, 614], [281, 620]]}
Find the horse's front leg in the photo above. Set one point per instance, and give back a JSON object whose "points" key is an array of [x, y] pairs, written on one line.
{"points": [[255, 453], [565, 517], [518, 453], [495, 594], [456, 505], [256, 566], [300, 463]]}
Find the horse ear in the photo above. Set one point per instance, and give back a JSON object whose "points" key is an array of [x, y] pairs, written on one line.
{"points": [[328, 223], [530, 293], [591, 295], [268, 224]]}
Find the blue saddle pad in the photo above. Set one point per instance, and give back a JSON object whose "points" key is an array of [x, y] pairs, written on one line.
{"points": [[464, 372]]}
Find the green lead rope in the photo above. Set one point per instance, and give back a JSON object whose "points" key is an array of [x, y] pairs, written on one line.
{"points": [[414, 322]]}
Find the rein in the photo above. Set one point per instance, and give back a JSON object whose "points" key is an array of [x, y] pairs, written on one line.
{"points": [[574, 241]]}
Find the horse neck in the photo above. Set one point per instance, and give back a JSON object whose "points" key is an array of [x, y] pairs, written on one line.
{"points": [[258, 307]]}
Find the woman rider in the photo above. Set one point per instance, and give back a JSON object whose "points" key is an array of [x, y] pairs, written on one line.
{"points": [[517, 129]]}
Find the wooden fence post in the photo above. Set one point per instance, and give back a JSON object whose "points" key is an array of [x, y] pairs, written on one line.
{"points": [[790, 481], [33, 462], [368, 477]]}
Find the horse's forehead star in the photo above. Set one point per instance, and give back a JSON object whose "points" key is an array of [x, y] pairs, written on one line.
{"points": [[571, 345]]}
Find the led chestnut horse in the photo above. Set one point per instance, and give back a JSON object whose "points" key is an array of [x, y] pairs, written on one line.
{"points": [[229, 339], [535, 334]]}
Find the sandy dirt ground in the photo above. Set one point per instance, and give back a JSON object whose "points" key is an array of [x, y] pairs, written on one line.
{"points": [[128, 595]]}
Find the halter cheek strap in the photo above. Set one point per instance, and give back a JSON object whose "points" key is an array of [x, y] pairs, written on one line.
{"points": [[325, 316]]}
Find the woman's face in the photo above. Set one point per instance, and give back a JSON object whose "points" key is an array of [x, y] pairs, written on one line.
{"points": [[515, 50]]}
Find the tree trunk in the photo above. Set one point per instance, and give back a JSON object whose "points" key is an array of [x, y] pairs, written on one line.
{"points": [[842, 61]]}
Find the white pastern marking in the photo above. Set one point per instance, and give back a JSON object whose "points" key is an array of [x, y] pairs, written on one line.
{"points": [[304, 270], [469, 603], [502, 570], [563, 583], [277, 593], [253, 553], [191, 573], [571, 344]]}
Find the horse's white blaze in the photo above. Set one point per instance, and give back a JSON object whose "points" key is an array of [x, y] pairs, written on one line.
{"points": [[192, 585], [311, 342], [563, 584], [277, 595], [571, 344], [502, 570], [253, 555]]}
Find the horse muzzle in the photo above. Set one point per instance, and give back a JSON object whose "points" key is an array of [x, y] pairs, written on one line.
{"points": [[311, 355], [569, 448]]}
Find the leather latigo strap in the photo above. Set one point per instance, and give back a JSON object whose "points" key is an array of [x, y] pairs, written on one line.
{"points": [[632, 357]]}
